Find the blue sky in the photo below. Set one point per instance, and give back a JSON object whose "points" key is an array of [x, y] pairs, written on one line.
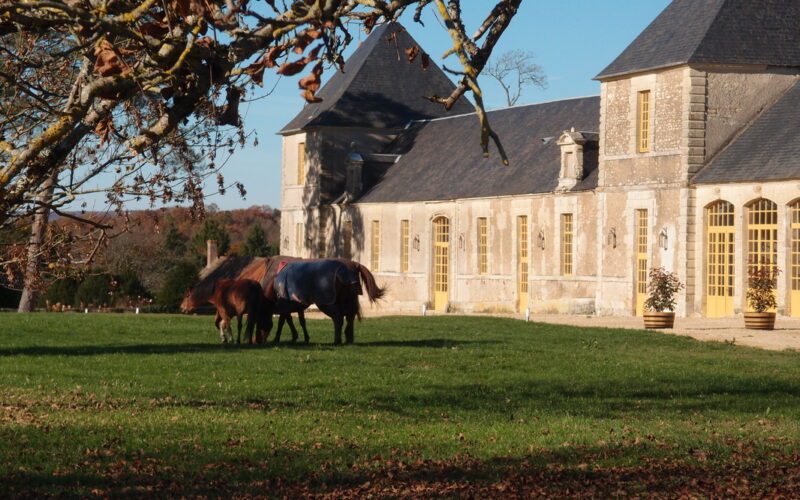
{"points": [[573, 41]]}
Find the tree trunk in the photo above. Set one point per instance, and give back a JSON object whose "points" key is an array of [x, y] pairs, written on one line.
{"points": [[38, 231]]}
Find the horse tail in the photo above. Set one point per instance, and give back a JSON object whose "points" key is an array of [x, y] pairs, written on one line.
{"points": [[374, 292]]}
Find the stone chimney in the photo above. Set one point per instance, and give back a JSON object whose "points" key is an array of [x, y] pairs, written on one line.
{"points": [[211, 252]]}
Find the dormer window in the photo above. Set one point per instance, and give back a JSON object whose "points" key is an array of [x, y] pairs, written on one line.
{"points": [[573, 145], [643, 123]]}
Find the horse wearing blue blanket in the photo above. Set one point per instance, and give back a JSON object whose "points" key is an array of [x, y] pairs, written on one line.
{"points": [[333, 285]]}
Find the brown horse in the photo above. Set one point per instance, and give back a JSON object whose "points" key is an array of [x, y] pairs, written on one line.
{"points": [[333, 285], [232, 298]]}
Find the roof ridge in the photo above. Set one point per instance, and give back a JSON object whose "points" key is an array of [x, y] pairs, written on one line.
{"points": [[502, 109], [744, 129]]}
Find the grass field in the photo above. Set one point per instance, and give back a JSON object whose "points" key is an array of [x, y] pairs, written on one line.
{"points": [[113, 405]]}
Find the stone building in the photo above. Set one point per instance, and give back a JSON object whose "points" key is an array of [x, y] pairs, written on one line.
{"points": [[687, 160]]}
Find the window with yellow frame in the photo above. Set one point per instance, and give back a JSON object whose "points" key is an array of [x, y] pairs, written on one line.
{"points": [[483, 245], [404, 245], [643, 122], [566, 244], [375, 245], [301, 163]]}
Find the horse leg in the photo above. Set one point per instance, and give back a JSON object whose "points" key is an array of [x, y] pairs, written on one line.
{"points": [[301, 316], [264, 325], [238, 329], [337, 329], [251, 323], [291, 326], [220, 323], [224, 326], [281, 320], [348, 331]]}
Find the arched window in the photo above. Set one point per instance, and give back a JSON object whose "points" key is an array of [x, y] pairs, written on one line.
{"points": [[762, 234], [720, 255]]}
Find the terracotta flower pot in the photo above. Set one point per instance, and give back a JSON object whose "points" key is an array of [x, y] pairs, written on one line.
{"points": [[655, 320], [759, 320]]}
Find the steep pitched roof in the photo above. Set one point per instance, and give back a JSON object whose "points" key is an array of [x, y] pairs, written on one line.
{"points": [[442, 160], [766, 150], [379, 88], [715, 31]]}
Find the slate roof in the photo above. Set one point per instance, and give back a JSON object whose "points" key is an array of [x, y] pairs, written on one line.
{"points": [[442, 160], [715, 31], [766, 150], [379, 88]]}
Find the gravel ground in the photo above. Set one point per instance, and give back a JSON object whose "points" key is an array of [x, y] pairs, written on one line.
{"points": [[786, 334]]}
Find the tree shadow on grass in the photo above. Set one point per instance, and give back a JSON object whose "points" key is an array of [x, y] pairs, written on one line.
{"points": [[197, 347], [573, 471], [433, 343], [95, 350]]}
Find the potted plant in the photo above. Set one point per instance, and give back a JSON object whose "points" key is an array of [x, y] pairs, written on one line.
{"points": [[762, 281], [659, 308]]}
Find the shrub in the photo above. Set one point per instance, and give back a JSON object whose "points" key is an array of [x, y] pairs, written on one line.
{"points": [[762, 281], [662, 289], [130, 290], [95, 289], [61, 291], [178, 280]]}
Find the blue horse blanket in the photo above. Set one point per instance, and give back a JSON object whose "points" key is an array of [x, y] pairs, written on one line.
{"points": [[313, 282]]}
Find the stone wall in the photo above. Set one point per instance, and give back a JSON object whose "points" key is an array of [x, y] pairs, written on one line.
{"points": [[620, 162], [495, 291]]}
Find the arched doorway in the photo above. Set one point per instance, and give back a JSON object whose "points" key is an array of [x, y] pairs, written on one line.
{"points": [[762, 236], [441, 263], [720, 259]]}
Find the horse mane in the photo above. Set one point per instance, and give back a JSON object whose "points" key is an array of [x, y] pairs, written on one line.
{"points": [[225, 268], [255, 270]]}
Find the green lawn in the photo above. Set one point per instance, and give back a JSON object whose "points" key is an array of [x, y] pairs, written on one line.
{"points": [[433, 406]]}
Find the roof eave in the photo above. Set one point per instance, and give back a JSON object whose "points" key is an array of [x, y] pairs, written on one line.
{"points": [[615, 76]]}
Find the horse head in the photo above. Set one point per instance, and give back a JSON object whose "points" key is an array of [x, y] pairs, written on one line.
{"points": [[188, 304]]}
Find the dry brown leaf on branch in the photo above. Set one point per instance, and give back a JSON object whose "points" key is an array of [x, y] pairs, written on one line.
{"points": [[154, 29], [108, 63], [206, 42], [313, 54], [103, 129], [312, 83], [310, 97], [305, 40], [292, 68], [186, 8], [256, 70], [412, 53], [369, 23]]}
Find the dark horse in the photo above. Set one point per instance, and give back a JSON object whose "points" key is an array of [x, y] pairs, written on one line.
{"points": [[232, 298], [331, 284]]}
